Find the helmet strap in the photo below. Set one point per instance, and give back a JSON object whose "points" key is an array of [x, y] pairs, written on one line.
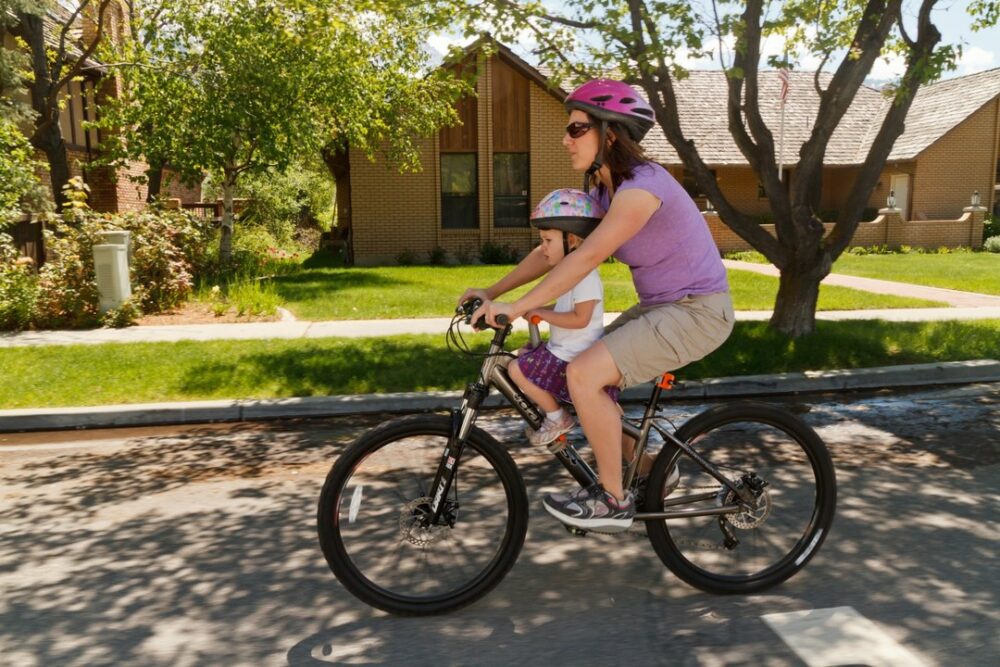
{"points": [[565, 243], [598, 159]]}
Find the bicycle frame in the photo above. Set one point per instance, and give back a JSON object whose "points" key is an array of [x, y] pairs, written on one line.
{"points": [[494, 373]]}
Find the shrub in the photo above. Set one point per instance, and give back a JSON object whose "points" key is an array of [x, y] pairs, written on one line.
{"points": [[492, 253], [18, 287], [465, 255], [406, 258], [746, 256], [437, 256], [125, 315], [992, 244], [991, 227]]}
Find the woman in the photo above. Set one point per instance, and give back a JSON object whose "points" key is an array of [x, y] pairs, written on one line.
{"points": [[684, 310]]}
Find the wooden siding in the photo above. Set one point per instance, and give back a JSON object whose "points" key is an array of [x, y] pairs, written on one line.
{"points": [[511, 101]]}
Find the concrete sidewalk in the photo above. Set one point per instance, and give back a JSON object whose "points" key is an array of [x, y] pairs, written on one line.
{"points": [[952, 297], [750, 386], [433, 325]]}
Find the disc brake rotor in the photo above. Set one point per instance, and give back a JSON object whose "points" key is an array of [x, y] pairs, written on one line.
{"points": [[414, 523]]}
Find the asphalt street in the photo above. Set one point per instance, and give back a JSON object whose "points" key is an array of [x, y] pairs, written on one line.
{"points": [[195, 545]]}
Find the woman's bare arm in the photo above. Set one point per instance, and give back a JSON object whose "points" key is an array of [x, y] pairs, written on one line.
{"points": [[531, 267]]}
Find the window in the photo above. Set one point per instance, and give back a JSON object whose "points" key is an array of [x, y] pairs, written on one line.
{"points": [[459, 192], [510, 190], [691, 186]]}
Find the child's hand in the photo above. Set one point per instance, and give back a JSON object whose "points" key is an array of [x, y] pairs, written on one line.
{"points": [[540, 312]]}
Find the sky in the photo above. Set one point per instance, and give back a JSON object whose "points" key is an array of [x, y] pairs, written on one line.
{"points": [[980, 52]]}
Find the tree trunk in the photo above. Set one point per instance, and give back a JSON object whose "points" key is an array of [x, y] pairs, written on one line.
{"points": [[47, 136], [795, 307], [226, 231], [338, 162], [154, 179]]}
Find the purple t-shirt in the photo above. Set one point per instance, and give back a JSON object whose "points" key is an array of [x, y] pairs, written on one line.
{"points": [[673, 255]]}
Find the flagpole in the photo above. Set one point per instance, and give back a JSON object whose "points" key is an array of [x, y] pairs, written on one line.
{"points": [[781, 143]]}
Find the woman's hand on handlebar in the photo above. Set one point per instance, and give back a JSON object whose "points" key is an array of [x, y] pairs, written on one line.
{"points": [[474, 293]]}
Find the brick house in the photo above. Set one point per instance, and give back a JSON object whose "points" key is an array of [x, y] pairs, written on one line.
{"points": [[111, 189], [480, 180]]}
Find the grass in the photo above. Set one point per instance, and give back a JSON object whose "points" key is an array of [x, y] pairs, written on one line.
{"points": [[967, 271], [84, 375], [323, 292]]}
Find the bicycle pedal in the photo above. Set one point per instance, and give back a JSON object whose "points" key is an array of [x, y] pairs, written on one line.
{"points": [[573, 530]]}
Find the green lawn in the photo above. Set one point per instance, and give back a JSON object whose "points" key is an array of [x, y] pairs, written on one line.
{"points": [[331, 293], [968, 271], [147, 372]]}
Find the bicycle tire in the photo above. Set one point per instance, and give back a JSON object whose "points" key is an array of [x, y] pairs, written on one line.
{"points": [[745, 424], [434, 430]]}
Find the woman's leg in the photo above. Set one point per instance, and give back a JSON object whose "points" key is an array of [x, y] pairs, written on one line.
{"points": [[542, 398], [587, 375]]}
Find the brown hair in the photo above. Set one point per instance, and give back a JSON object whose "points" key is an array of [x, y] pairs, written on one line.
{"points": [[622, 157]]}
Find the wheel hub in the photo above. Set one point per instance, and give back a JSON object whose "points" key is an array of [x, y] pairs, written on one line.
{"points": [[415, 522], [749, 517]]}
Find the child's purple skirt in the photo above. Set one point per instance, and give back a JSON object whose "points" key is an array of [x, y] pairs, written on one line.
{"points": [[548, 372]]}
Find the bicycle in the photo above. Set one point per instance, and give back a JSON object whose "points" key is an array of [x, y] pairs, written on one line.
{"points": [[753, 503]]}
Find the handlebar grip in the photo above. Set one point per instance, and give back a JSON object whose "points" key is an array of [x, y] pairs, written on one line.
{"points": [[536, 320], [502, 320]]}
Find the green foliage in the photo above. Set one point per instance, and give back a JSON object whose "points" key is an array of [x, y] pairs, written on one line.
{"points": [[992, 244], [18, 287], [168, 250], [494, 253], [991, 226], [437, 256], [746, 256], [406, 258], [301, 197], [125, 315], [20, 188]]}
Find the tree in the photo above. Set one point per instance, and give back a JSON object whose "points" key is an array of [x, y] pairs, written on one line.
{"points": [[642, 40], [52, 68], [242, 86]]}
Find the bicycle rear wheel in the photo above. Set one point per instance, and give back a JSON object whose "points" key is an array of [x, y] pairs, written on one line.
{"points": [[373, 518], [787, 465]]}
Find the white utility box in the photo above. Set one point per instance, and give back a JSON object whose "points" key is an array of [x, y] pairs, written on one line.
{"points": [[118, 237], [111, 269]]}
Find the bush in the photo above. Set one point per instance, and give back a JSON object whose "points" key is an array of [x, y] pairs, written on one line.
{"points": [[18, 183], [991, 227], [492, 253], [437, 256], [406, 258], [992, 244], [123, 316], [18, 287]]}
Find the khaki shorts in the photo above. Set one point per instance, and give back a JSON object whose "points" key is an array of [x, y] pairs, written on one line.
{"points": [[647, 342]]}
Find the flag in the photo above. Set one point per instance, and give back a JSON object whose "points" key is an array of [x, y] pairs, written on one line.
{"points": [[783, 77]]}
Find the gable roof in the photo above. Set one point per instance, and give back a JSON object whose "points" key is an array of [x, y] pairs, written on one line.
{"points": [[702, 106], [941, 106]]}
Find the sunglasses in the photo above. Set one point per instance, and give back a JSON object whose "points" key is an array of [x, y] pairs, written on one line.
{"points": [[577, 130]]}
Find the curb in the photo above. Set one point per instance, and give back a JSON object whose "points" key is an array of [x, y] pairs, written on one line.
{"points": [[196, 412]]}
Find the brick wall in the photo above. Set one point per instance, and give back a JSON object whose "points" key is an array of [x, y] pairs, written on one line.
{"points": [[888, 228], [961, 161]]}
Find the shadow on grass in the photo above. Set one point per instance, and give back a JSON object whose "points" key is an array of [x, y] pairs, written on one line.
{"points": [[382, 365]]}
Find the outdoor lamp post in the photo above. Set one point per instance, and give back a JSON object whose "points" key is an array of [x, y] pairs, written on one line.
{"points": [[890, 201], [975, 198]]}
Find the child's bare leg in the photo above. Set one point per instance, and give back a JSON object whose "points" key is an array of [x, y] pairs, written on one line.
{"points": [[542, 398], [628, 453]]}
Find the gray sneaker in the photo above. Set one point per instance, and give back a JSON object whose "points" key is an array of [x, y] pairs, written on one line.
{"points": [[673, 479], [592, 509]]}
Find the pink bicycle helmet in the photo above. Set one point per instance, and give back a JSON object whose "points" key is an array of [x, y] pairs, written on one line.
{"points": [[613, 102], [569, 211]]}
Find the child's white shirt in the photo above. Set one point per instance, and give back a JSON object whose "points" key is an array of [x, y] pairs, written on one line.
{"points": [[566, 344]]}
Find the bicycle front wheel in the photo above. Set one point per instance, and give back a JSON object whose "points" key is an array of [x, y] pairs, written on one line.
{"points": [[374, 518], [787, 468]]}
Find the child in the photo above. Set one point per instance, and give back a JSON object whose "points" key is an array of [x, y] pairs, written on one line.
{"points": [[576, 320]]}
